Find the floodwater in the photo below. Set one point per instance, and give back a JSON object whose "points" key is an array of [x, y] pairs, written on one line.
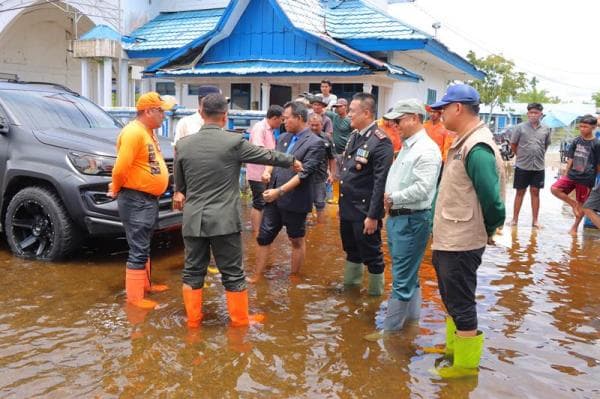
{"points": [[64, 330]]}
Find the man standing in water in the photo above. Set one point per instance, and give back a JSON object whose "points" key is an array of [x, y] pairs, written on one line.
{"points": [[583, 158], [529, 141], [467, 212], [365, 164], [211, 204], [139, 178]]}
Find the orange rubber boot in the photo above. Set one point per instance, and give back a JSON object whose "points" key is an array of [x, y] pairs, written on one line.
{"points": [[148, 286], [237, 305], [134, 288], [192, 299]]}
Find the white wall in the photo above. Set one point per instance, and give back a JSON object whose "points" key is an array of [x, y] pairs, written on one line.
{"points": [[35, 46], [183, 5], [433, 78]]}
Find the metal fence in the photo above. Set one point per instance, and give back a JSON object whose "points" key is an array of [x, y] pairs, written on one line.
{"points": [[240, 120]]}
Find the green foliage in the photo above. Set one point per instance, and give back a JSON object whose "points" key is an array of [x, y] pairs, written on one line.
{"points": [[533, 95], [596, 98], [501, 81]]}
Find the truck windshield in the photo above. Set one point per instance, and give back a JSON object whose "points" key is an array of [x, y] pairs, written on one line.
{"points": [[44, 110]]}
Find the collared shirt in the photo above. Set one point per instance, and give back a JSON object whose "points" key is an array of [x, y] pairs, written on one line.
{"points": [[532, 143], [261, 135], [189, 125], [412, 179]]}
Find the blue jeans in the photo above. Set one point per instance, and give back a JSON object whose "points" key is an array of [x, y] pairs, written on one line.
{"points": [[139, 215], [407, 239]]}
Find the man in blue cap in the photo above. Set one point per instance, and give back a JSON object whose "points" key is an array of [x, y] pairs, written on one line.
{"points": [[468, 210]]}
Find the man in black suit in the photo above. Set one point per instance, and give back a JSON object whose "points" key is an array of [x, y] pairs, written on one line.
{"points": [[365, 164], [290, 197]]}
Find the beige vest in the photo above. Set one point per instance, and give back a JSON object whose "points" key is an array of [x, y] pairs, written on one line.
{"points": [[458, 221]]}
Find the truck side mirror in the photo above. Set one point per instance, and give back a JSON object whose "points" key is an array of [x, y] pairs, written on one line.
{"points": [[3, 125]]}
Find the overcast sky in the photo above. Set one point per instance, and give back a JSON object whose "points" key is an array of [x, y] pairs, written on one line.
{"points": [[557, 41]]}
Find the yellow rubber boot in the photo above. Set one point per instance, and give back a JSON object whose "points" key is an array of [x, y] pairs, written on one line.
{"points": [[467, 355], [192, 299], [448, 350], [134, 288], [237, 305]]}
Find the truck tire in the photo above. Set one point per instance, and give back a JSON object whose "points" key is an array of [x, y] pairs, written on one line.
{"points": [[37, 225]]}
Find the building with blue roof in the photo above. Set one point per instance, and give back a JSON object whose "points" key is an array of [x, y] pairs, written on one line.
{"points": [[257, 51]]}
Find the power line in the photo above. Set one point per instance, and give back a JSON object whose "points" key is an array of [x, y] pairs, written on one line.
{"points": [[465, 36]]}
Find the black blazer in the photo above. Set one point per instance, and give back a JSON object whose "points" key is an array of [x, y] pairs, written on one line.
{"points": [[365, 165], [310, 150]]}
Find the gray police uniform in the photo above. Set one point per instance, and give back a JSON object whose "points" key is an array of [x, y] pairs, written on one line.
{"points": [[366, 162]]}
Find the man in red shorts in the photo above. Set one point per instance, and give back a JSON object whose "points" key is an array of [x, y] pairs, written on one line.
{"points": [[583, 158]]}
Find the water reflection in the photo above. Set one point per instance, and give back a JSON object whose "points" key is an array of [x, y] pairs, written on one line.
{"points": [[65, 332]]}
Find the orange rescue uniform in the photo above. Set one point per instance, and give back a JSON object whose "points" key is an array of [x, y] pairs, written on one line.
{"points": [[140, 165], [442, 136], [394, 138]]}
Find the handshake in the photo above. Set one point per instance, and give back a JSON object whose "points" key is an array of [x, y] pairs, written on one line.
{"points": [[266, 176]]}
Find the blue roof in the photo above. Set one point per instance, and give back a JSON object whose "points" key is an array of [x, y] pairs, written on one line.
{"points": [[356, 19], [265, 67], [101, 32], [283, 68], [169, 31]]}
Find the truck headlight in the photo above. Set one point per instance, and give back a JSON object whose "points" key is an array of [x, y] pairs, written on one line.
{"points": [[90, 164]]}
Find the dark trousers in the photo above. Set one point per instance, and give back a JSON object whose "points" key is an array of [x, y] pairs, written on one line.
{"points": [[227, 250], [139, 215], [457, 281], [362, 248]]}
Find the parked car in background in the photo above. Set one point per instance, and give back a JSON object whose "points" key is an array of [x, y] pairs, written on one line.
{"points": [[57, 151]]}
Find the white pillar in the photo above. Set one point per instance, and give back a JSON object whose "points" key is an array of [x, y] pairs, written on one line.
{"points": [[367, 87], [179, 91], [146, 85], [123, 87], [107, 82], [265, 96], [99, 85], [85, 78]]}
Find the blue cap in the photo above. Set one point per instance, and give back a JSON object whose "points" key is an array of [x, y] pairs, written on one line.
{"points": [[459, 93]]}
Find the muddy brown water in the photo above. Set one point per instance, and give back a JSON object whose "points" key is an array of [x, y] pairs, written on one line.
{"points": [[65, 332]]}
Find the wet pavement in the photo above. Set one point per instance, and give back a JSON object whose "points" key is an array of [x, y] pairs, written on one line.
{"points": [[64, 330]]}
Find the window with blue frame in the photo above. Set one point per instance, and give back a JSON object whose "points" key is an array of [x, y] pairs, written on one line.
{"points": [[240, 96], [165, 88], [431, 96]]}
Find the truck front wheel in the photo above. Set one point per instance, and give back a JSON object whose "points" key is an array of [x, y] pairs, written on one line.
{"points": [[38, 226]]}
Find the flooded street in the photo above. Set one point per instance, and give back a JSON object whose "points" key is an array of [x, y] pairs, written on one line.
{"points": [[65, 332]]}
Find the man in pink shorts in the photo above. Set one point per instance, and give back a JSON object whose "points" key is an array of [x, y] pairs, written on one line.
{"points": [[583, 158]]}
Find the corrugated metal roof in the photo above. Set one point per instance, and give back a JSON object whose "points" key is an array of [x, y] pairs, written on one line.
{"points": [[174, 30], [261, 67], [101, 32], [357, 19]]}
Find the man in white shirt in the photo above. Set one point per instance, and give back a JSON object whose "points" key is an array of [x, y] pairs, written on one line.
{"points": [[329, 98], [409, 191], [192, 123]]}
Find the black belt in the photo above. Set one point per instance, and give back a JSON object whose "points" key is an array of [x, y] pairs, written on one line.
{"points": [[404, 211]]}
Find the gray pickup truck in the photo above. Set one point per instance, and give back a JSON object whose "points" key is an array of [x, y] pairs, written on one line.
{"points": [[57, 150]]}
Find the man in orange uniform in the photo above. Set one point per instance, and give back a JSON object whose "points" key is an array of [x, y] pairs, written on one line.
{"points": [[139, 177], [437, 132]]}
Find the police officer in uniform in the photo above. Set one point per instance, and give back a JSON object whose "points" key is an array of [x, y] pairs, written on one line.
{"points": [[366, 161]]}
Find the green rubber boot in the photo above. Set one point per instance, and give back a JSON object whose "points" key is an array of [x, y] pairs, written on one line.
{"points": [[353, 273], [376, 284], [467, 354], [448, 350]]}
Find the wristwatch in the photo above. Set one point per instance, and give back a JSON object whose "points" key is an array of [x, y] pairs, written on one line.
{"points": [[281, 192]]}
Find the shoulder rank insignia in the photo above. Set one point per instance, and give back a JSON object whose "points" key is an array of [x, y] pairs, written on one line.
{"points": [[380, 135]]}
